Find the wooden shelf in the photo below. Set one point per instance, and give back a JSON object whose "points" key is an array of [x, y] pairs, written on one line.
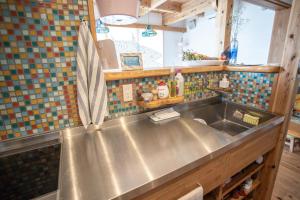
{"points": [[222, 90], [241, 177], [259, 69], [255, 184], [111, 75], [161, 102]]}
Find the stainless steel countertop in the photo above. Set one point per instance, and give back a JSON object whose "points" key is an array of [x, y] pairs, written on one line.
{"points": [[132, 155]]}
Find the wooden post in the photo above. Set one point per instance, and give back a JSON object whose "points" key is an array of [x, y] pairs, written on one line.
{"points": [[92, 19], [225, 9], [284, 98], [278, 35]]}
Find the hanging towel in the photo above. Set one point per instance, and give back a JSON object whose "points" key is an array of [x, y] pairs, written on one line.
{"points": [[91, 86], [196, 194]]}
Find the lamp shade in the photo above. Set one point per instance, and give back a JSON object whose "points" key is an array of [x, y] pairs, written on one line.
{"points": [[118, 12]]}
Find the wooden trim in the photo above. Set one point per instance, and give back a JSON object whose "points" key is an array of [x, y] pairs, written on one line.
{"points": [[262, 69], [225, 10], [119, 75], [273, 94], [110, 76], [272, 4], [92, 19], [157, 27], [278, 35], [188, 70]]}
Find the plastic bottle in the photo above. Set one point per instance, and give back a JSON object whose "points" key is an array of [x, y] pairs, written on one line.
{"points": [[172, 84], [179, 83]]}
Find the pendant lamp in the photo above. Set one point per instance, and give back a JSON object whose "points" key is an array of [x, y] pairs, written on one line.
{"points": [[118, 12], [100, 27], [149, 32]]}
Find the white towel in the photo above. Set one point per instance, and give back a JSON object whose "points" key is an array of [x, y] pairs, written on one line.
{"points": [[196, 194], [91, 86]]}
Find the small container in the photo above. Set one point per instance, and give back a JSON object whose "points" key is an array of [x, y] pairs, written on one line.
{"points": [[163, 90], [155, 96], [147, 96], [224, 83], [247, 186]]}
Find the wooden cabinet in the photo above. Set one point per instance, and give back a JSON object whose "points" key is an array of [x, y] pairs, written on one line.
{"points": [[214, 173], [209, 176], [245, 154]]}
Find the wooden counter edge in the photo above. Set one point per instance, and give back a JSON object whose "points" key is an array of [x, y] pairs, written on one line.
{"points": [[259, 69], [119, 75]]}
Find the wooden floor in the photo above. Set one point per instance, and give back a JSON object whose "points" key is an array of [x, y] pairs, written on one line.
{"points": [[287, 185]]}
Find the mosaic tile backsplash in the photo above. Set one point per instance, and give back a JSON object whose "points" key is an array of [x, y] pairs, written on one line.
{"points": [[252, 89], [195, 89], [38, 65]]}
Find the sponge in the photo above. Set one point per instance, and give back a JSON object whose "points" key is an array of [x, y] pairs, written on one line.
{"points": [[251, 119]]}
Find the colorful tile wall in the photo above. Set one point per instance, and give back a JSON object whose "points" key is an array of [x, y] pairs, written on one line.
{"points": [[253, 89], [195, 89], [38, 65]]}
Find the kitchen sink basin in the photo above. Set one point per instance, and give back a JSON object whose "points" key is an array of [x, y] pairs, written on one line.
{"points": [[227, 116], [229, 127]]}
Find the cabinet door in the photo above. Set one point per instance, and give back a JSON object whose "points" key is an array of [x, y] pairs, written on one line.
{"points": [[245, 154], [209, 176]]}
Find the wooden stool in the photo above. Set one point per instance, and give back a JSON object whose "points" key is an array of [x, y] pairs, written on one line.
{"points": [[292, 136]]}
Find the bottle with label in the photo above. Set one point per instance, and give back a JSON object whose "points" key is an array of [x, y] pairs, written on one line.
{"points": [[162, 90], [172, 84], [224, 83], [179, 83]]}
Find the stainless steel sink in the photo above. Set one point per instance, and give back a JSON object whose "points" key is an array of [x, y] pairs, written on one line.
{"points": [[220, 115], [229, 127]]}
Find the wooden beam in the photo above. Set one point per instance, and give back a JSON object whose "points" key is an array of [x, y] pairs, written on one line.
{"points": [[166, 7], [92, 19], [156, 3], [156, 27], [272, 4], [169, 7], [284, 97], [278, 35], [189, 9], [225, 10]]}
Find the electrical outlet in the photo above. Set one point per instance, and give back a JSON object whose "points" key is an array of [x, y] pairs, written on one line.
{"points": [[127, 93]]}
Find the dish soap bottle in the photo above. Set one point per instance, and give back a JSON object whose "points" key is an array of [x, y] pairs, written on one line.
{"points": [[224, 83], [179, 83]]}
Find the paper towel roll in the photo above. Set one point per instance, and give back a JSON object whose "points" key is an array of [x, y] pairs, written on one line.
{"points": [[196, 194]]}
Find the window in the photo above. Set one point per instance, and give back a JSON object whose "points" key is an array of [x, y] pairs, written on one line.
{"points": [[254, 34], [130, 40]]}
